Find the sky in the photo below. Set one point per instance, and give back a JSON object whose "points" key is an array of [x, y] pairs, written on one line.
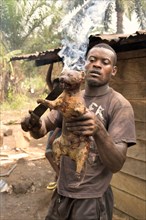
{"points": [[131, 26]]}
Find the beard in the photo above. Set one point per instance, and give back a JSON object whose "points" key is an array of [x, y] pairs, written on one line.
{"points": [[91, 82]]}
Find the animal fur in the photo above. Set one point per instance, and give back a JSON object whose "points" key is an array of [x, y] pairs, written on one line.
{"points": [[70, 103]]}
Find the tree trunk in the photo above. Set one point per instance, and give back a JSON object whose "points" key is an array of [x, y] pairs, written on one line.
{"points": [[6, 81], [119, 7], [120, 22]]}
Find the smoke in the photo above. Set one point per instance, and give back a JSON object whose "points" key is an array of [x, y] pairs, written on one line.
{"points": [[75, 29]]}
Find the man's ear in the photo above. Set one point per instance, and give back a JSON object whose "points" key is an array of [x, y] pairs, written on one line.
{"points": [[114, 70]]}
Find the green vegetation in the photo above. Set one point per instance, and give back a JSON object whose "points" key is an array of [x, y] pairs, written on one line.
{"points": [[17, 103], [27, 26], [124, 7], [32, 89]]}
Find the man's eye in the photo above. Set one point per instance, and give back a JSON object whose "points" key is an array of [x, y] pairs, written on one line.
{"points": [[91, 59], [105, 61]]}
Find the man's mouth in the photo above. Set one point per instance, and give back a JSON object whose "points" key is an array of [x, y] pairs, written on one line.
{"points": [[94, 73]]}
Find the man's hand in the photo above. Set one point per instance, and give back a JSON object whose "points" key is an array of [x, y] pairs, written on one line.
{"points": [[31, 122], [86, 124]]}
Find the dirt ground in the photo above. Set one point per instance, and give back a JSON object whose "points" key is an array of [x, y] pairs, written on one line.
{"points": [[29, 198], [26, 196]]}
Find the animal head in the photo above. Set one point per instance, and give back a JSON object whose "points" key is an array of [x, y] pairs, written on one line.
{"points": [[71, 79]]}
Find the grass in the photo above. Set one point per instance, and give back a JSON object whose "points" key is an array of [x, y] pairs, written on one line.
{"points": [[17, 103]]}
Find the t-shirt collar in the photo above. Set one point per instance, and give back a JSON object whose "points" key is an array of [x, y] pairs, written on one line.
{"points": [[97, 91]]}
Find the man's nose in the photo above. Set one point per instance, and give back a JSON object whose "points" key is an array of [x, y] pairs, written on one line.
{"points": [[97, 63]]}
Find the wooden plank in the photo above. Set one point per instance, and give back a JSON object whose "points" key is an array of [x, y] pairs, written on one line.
{"points": [[140, 130], [132, 70], [130, 205], [118, 215], [129, 184], [130, 90], [139, 107], [138, 151], [131, 54], [135, 168]]}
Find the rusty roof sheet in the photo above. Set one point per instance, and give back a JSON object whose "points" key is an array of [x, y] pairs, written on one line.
{"points": [[44, 55], [120, 42], [117, 37]]}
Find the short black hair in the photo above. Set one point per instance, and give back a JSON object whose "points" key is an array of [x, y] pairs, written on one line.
{"points": [[106, 46]]}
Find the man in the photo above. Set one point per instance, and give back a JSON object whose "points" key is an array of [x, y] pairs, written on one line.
{"points": [[109, 120]]}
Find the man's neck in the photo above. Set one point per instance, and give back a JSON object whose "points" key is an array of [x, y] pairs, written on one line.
{"points": [[95, 90]]}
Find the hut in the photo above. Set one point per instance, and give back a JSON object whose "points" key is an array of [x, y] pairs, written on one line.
{"points": [[129, 185]]}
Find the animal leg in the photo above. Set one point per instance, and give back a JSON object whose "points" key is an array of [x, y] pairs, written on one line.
{"points": [[47, 103], [81, 157]]}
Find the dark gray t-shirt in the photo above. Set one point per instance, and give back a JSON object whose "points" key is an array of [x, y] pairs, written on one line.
{"points": [[117, 116]]}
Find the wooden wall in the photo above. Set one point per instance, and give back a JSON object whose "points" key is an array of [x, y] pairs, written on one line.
{"points": [[129, 185]]}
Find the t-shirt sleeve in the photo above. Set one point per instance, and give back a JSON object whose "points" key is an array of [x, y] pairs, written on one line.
{"points": [[55, 117], [122, 124]]}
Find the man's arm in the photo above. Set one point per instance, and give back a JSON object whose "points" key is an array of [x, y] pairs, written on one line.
{"points": [[48, 77], [38, 127], [112, 155]]}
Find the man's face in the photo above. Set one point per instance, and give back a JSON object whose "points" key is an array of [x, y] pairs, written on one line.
{"points": [[99, 66]]}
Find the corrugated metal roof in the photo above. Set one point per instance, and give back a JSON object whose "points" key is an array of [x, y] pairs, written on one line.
{"points": [[44, 56], [120, 42], [117, 37]]}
